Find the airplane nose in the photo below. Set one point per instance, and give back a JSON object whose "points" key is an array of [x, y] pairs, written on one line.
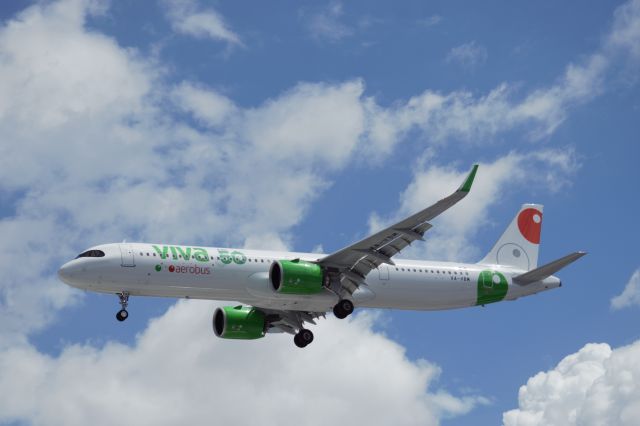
{"points": [[64, 273]]}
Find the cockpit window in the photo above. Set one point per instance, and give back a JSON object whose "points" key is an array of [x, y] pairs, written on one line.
{"points": [[91, 253]]}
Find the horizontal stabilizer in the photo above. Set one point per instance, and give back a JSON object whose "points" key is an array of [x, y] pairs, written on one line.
{"points": [[547, 270]]}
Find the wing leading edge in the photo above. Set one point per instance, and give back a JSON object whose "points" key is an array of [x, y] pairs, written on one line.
{"points": [[348, 267]]}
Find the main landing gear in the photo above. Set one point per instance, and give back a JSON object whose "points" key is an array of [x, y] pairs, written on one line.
{"points": [[343, 308], [303, 338], [124, 301]]}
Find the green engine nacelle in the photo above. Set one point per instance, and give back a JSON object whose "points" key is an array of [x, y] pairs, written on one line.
{"points": [[239, 322], [296, 277]]}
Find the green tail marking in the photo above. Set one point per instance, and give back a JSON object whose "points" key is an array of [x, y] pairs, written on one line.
{"points": [[492, 287]]}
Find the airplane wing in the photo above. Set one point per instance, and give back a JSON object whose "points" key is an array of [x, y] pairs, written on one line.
{"points": [[348, 267]]}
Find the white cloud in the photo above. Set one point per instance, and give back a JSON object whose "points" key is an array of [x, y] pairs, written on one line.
{"points": [[206, 105], [186, 17], [630, 295], [625, 33], [178, 372], [475, 118], [469, 55], [57, 79], [594, 386], [326, 25]]}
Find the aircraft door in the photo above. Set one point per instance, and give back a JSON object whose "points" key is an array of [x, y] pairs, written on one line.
{"points": [[383, 270], [126, 251]]}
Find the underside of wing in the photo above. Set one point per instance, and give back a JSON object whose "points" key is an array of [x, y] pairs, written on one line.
{"points": [[290, 321]]}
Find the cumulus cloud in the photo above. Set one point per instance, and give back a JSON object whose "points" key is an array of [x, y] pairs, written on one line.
{"points": [[468, 55], [186, 17], [595, 386], [178, 372], [630, 295], [207, 106]]}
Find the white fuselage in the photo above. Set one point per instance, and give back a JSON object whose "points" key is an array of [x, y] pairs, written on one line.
{"points": [[243, 276]]}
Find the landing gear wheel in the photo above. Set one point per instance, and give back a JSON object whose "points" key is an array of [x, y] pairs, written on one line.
{"points": [[303, 338], [124, 302], [343, 308], [122, 315]]}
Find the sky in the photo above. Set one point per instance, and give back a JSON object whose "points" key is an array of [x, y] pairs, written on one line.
{"points": [[306, 126]]}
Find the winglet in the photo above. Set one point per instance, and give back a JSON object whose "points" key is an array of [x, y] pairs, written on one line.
{"points": [[466, 186]]}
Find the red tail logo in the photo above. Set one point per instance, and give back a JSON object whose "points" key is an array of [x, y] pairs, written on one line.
{"points": [[530, 223]]}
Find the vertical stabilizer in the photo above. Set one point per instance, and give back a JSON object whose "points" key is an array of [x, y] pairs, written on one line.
{"points": [[518, 245]]}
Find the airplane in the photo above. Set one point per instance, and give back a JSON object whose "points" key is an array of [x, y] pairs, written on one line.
{"points": [[283, 291]]}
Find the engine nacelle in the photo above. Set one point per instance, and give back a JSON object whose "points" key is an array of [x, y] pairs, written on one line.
{"points": [[239, 322], [296, 277]]}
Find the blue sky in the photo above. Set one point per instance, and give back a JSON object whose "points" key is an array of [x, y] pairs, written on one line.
{"points": [[304, 126]]}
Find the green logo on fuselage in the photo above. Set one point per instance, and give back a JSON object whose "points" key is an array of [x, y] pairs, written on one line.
{"points": [[492, 287], [235, 256], [187, 253]]}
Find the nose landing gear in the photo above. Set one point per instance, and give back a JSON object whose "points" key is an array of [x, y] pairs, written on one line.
{"points": [[124, 301]]}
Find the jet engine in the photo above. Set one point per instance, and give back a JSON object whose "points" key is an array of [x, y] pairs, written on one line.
{"points": [[296, 277], [239, 322]]}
